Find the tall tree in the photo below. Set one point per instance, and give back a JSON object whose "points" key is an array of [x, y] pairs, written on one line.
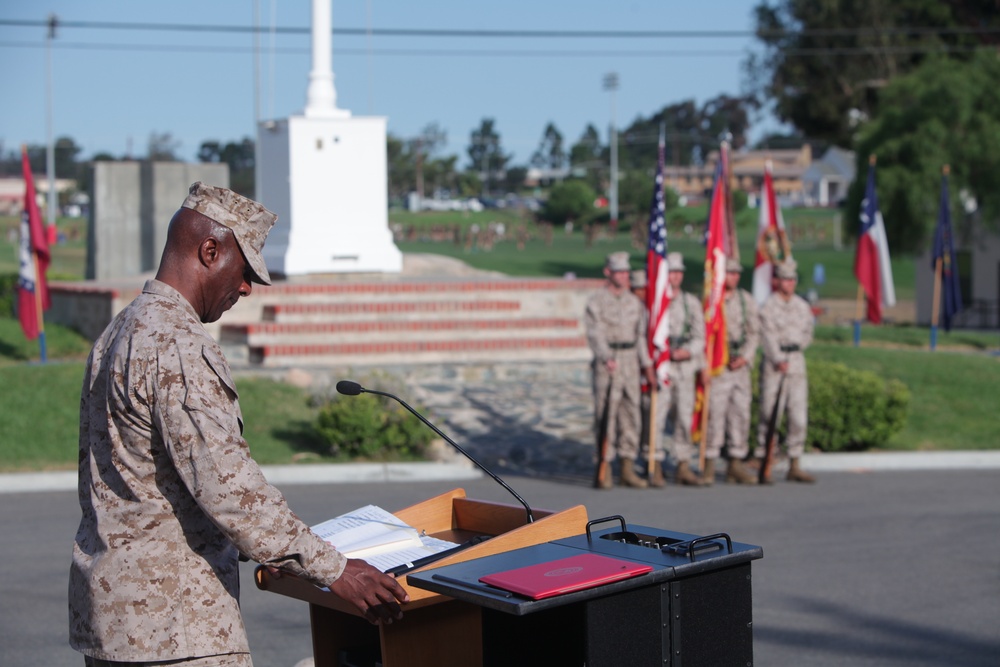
{"points": [[486, 154], [944, 112], [824, 63], [550, 154], [586, 158]]}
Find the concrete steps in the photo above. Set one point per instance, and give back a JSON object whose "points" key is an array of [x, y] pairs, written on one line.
{"points": [[327, 324]]}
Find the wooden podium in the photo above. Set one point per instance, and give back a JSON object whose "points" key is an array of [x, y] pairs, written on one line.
{"points": [[436, 630]]}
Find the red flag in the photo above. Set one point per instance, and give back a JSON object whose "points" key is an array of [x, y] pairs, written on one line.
{"points": [[658, 289], [32, 287], [716, 341], [772, 242]]}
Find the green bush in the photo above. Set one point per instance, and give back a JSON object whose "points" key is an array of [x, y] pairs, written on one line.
{"points": [[8, 292], [849, 410], [371, 427]]}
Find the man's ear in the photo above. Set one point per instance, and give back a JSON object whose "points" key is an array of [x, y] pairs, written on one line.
{"points": [[208, 251]]}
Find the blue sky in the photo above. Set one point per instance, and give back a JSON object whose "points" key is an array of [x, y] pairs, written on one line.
{"points": [[113, 88]]}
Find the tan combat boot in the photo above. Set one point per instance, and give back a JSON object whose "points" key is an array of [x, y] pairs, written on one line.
{"points": [[708, 474], [797, 474], [736, 473], [656, 478], [685, 476], [629, 478]]}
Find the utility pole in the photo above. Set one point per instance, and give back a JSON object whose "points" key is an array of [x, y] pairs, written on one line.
{"points": [[611, 84], [50, 152]]}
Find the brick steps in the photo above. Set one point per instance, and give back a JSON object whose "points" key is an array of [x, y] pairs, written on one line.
{"points": [[275, 333], [573, 348], [337, 323], [370, 310]]}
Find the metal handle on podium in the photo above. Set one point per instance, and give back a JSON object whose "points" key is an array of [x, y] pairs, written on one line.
{"points": [[622, 536], [707, 541]]}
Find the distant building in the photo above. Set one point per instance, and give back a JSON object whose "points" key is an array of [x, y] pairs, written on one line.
{"points": [[12, 193], [788, 168], [826, 181]]}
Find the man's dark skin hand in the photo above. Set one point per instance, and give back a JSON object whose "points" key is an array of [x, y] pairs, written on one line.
{"points": [[375, 594]]}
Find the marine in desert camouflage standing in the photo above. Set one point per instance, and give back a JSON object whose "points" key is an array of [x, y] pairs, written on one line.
{"points": [[786, 327], [169, 494], [732, 390], [616, 332], [686, 323]]}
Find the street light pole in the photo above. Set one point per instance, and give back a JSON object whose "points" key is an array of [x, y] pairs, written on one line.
{"points": [[50, 151], [611, 84]]}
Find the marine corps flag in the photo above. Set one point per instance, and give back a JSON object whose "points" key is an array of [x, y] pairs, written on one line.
{"points": [[772, 242], [716, 342], [32, 287]]}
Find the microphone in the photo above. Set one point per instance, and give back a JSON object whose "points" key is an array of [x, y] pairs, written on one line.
{"points": [[348, 388]]}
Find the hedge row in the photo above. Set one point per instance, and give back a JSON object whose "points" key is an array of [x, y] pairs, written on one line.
{"points": [[849, 410]]}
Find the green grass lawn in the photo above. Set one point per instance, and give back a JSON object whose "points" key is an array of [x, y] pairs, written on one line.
{"points": [[954, 394]]}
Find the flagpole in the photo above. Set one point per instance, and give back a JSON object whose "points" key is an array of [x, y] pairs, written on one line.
{"points": [[38, 309], [936, 300], [654, 425], [935, 303]]}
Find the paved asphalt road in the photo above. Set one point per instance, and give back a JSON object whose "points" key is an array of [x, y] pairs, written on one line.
{"points": [[862, 569]]}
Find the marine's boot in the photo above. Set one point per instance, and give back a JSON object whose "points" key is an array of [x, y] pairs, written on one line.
{"points": [[736, 473], [797, 474], [685, 476], [629, 477], [708, 474], [656, 478]]}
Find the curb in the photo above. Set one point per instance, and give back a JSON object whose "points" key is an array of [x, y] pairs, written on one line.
{"points": [[320, 473], [367, 473]]}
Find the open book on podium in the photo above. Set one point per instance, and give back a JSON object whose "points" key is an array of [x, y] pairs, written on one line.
{"points": [[379, 538], [433, 624]]}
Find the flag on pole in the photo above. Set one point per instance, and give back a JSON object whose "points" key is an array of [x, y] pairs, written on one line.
{"points": [[716, 338], [944, 250], [871, 260], [658, 292], [772, 242], [32, 287]]}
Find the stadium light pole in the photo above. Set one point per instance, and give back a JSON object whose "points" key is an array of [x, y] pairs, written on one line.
{"points": [[611, 84], [50, 150]]}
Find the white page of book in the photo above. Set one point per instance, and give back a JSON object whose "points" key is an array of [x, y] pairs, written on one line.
{"points": [[367, 530]]}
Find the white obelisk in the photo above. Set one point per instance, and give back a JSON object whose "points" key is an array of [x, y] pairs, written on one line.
{"points": [[324, 173]]}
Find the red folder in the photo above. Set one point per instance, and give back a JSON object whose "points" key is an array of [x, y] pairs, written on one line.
{"points": [[566, 575]]}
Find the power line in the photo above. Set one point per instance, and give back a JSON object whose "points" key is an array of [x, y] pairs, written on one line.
{"points": [[530, 34], [493, 53]]}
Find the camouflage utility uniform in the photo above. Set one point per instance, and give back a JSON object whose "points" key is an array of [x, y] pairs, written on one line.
{"points": [[731, 391], [786, 329], [170, 496], [687, 332], [616, 330]]}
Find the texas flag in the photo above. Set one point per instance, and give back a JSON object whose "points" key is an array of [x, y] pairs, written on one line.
{"points": [[871, 261]]}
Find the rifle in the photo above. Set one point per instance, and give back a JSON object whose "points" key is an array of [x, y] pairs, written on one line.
{"points": [[764, 475], [603, 436]]}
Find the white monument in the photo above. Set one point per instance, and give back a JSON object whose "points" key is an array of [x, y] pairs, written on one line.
{"points": [[324, 173]]}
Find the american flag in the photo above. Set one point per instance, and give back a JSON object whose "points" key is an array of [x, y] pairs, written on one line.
{"points": [[658, 292]]}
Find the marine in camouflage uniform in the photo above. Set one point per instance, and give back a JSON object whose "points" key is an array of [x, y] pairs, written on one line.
{"points": [[731, 391], [616, 332], [169, 494], [786, 325], [686, 330], [657, 422]]}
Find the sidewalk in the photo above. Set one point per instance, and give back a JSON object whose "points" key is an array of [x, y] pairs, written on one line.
{"points": [[368, 473]]}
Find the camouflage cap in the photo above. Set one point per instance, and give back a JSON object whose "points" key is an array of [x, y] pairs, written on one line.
{"points": [[787, 270], [675, 261], [637, 279], [733, 265], [249, 221], [618, 261]]}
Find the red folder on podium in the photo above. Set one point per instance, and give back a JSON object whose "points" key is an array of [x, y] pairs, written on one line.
{"points": [[566, 575]]}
